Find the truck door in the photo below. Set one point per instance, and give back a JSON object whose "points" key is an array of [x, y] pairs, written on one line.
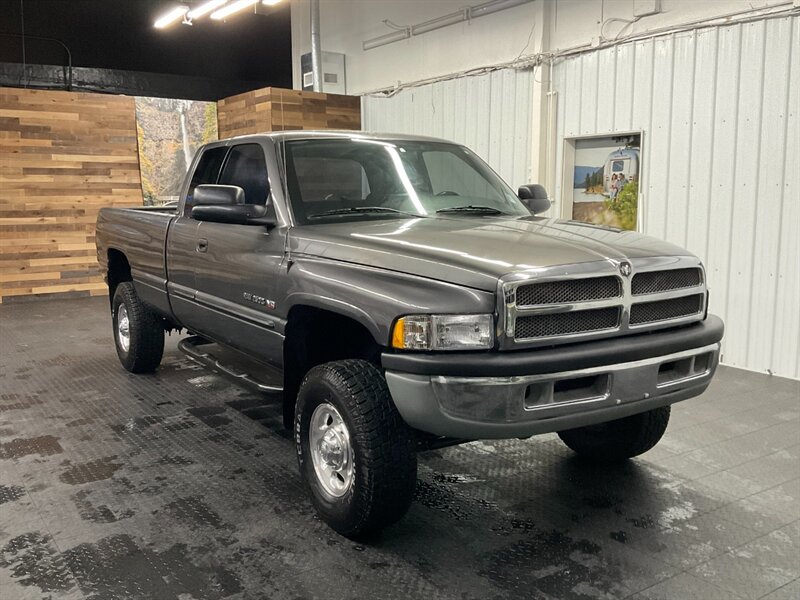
{"points": [[182, 242], [236, 266]]}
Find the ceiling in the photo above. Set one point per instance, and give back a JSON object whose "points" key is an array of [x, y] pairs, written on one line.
{"points": [[119, 34]]}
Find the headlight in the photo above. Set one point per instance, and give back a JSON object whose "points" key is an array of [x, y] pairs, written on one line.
{"points": [[444, 332]]}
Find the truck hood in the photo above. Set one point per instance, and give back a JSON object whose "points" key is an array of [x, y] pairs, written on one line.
{"points": [[472, 251]]}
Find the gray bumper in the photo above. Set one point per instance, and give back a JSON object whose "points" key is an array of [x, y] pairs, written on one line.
{"points": [[524, 405]]}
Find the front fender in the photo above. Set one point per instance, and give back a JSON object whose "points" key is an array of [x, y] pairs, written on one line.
{"points": [[376, 297]]}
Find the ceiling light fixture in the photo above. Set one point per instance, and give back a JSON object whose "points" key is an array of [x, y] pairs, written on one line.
{"points": [[229, 9], [270, 2], [171, 17], [204, 9]]}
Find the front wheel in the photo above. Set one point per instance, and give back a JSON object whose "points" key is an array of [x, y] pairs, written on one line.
{"points": [[138, 332], [354, 450], [620, 439]]}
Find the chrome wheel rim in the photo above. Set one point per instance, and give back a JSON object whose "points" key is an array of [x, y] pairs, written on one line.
{"points": [[123, 328], [331, 451]]}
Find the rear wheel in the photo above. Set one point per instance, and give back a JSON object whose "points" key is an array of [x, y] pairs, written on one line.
{"points": [[620, 439], [138, 332], [354, 450]]}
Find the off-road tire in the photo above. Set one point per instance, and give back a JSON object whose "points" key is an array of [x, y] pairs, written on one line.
{"points": [[620, 439], [385, 461], [146, 332]]}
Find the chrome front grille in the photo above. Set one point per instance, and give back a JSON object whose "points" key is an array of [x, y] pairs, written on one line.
{"points": [[662, 310], [664, 281], [579, 321], [575, 290], [570, 303]]}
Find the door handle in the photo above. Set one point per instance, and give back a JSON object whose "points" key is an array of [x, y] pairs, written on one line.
{"points": [[202, 245]]}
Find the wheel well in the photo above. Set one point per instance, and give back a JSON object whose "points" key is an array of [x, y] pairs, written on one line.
{"points": [[315, 336], [119, 270]]}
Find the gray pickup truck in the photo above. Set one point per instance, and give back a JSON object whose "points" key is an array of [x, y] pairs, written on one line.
{"points": [[396, 295]]}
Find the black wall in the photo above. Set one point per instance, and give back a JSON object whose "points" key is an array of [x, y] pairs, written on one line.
{"points": [[120, 51]]}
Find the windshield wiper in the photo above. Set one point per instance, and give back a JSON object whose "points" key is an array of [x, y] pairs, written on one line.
{"points": [[363, 210], [485, 210]]}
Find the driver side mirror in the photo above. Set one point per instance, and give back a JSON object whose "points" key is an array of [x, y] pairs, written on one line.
{"points": [[534, 196], [225, 204], [217, 195]]}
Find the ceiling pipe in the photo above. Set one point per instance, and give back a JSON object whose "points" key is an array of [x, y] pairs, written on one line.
{"points": [[465, 14], [316, 48]]}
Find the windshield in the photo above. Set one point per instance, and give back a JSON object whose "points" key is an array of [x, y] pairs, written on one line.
{"points": [[333, 180]]}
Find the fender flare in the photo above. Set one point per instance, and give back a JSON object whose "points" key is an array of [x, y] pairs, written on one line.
{"points": [[339, 307]]}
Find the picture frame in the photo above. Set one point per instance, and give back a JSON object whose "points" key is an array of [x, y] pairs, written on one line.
{"points": [[591, 167]]}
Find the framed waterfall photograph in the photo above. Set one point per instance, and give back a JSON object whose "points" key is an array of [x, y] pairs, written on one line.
{"points": [[169, 131], [600, 180]]}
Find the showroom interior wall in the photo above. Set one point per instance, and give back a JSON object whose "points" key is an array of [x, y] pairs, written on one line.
{"points": [[491, 114], [503, 36], [276, 109], [64, 155], [345, 24], [716, 104], [718, 108]]}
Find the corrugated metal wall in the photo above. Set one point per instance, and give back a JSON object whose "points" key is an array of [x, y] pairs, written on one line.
{"points": [[719, 110], [490, 114]]}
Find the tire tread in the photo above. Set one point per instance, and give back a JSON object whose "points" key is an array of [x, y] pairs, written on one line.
{"points": [[620, 439], [388, 452], [147, 332]]}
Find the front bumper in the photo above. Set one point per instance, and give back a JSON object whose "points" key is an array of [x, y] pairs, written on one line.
{"points": [[534, 392]]}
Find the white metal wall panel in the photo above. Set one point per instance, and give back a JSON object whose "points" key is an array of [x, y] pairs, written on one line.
{"points": [[491, 114], [786, 328], [720, 175]]}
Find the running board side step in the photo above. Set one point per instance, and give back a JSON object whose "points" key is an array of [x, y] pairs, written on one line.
{"points": [[200, 349]]}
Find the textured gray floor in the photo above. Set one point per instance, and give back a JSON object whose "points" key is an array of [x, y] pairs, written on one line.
{"points": [[181, 485]]}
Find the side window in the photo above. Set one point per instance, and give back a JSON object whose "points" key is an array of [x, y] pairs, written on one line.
{"points": [[247, 168], [450, 173], [206, 172]]}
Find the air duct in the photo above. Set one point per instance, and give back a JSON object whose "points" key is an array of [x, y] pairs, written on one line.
{"points": [[316, 48]]}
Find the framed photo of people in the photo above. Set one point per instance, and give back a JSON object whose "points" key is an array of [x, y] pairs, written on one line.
{"points": [[601, 178]]}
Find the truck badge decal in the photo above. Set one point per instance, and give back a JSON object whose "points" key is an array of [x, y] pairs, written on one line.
{"points": [[625, 268], [260, 300]]}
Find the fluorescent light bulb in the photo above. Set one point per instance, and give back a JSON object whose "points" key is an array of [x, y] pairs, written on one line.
{"points": [[270, 2], [229, 9], [205, 8], [172, 16]]}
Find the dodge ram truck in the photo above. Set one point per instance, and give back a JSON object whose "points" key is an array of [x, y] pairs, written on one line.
{"points": [[395, 295]]}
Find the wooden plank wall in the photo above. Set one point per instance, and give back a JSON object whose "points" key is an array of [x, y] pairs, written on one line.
{"points": [[63, 156], [276, 109]]}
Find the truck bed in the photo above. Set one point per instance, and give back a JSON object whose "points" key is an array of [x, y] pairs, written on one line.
{"points": [[140, 234]]}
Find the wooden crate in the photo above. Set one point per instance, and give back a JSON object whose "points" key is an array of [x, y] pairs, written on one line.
{"points": [[276, 109], [63, 156]]}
